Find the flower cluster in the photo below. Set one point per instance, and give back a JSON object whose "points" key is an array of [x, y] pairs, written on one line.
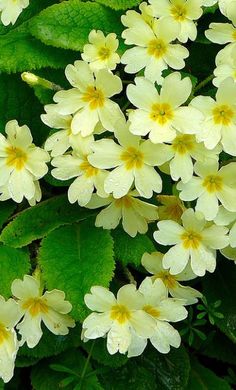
{"points": [[11, 9], [25, 312]]}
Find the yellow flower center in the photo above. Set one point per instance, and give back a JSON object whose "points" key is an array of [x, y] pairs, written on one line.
{"points": [[104, 53], [125, 201], [183, 143], [16, 157], [133, 158], [88, 169], [161, 113], [35, 306], [222, 114], [157, 48], [167, 278], [94, 96], [151, 310], [4, 335], [213, 183], [120, 313], [191, 239], [178, 12]]}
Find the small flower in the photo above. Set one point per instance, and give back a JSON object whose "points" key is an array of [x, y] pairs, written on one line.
{"points": [[161, 114], [89, 100], [184, 12], [9, 316], [171, 207], [21, 162], [225, 68], [153, 264], [211, 186], [221, 33], [219, 125], [195, 242], [117, 318], [100, 53], [134, 213], [154, 50], [50, 307], [5, 194], [11, 9]]}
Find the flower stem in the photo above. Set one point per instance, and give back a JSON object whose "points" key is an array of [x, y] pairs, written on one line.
{"points": [[32, 80], [86, 365], [200, 86]]}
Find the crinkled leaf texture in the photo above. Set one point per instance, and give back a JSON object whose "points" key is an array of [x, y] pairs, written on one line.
{"points": [[76, 257], [120, 4], [201, 378]]}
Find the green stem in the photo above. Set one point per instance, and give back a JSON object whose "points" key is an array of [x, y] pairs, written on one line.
{"points": [[86, 365], [200, 86], [32, 80]]}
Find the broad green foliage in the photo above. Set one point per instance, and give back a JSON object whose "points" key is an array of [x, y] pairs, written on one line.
{"points": [[75, 258], [101, 355], [14, 263], [6, 209], [201, 378], [35, 222], [119, 4], [68, 24], [221, 348]]}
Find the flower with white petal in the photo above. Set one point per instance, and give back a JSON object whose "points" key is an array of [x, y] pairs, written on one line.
{"points": [[161, 115], [133, 162], [195, 242], [89, 99], [100, 52], [50, 307], [153, 264], [117, 318], [226, 68], [171, 207], [221, 33], [134, 213], [76, 164], [209, 3], [11, 9], [5, 194], [213, 185], [21, 162], [10, 314], [184, 12], [228, 218], [154, 49], [228, 8], [219, 125]]}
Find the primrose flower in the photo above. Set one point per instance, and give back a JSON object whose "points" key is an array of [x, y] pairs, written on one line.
{"points": [[228, 8], [21, 162], [9, 316], [76, 164], [153, 264], [100, 53], [171, 207], [195, 241], [134, 213], [209, 3], [5, 194], [153, 49], [225, 68], [89, 100], [50, 307], [211, 186], [117, 318], [133, 160], [184, 12], [221, 33], [228, 218], [11, 9], [160, 115], [219, 124]]}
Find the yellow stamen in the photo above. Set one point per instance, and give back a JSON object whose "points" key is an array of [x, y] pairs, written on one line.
{"points": [[88, 169], [4, 335], [104, 53], [183, 143], [35, 306], [168, 279], [120, 313], [178, 12], [191, 240], [125, 201], [16, 157], [222, 114], [213, 183], [95, 97], [161, 113], [133, 158], [151, 310], [157, 48]]}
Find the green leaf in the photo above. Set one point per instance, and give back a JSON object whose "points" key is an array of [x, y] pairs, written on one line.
{"points": [[220, 348], [14, 263], [74, 258], [129, 250], [101, 355], [37, 221], [68, 24], [201, 378], [6, 210], [225, 277], [119, 4]]}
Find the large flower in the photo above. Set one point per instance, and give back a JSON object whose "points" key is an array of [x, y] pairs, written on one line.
{"points": [[211, 186], [9, 316], [153, 264], [184, 12], [154, 50], [117, 317], [21, 162], [11, 9], [195, 242], [134, 213], [50, 307], [89, 99], [161, 114]]}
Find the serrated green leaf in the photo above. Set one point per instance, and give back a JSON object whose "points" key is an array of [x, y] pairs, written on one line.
{"points": [[6, 210], [14, 263], [119, 4], [102, 356], [25, 361], [74, 258], [68, 24], [201, 378], [129, 250], [37, 221], [225, 277]]}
